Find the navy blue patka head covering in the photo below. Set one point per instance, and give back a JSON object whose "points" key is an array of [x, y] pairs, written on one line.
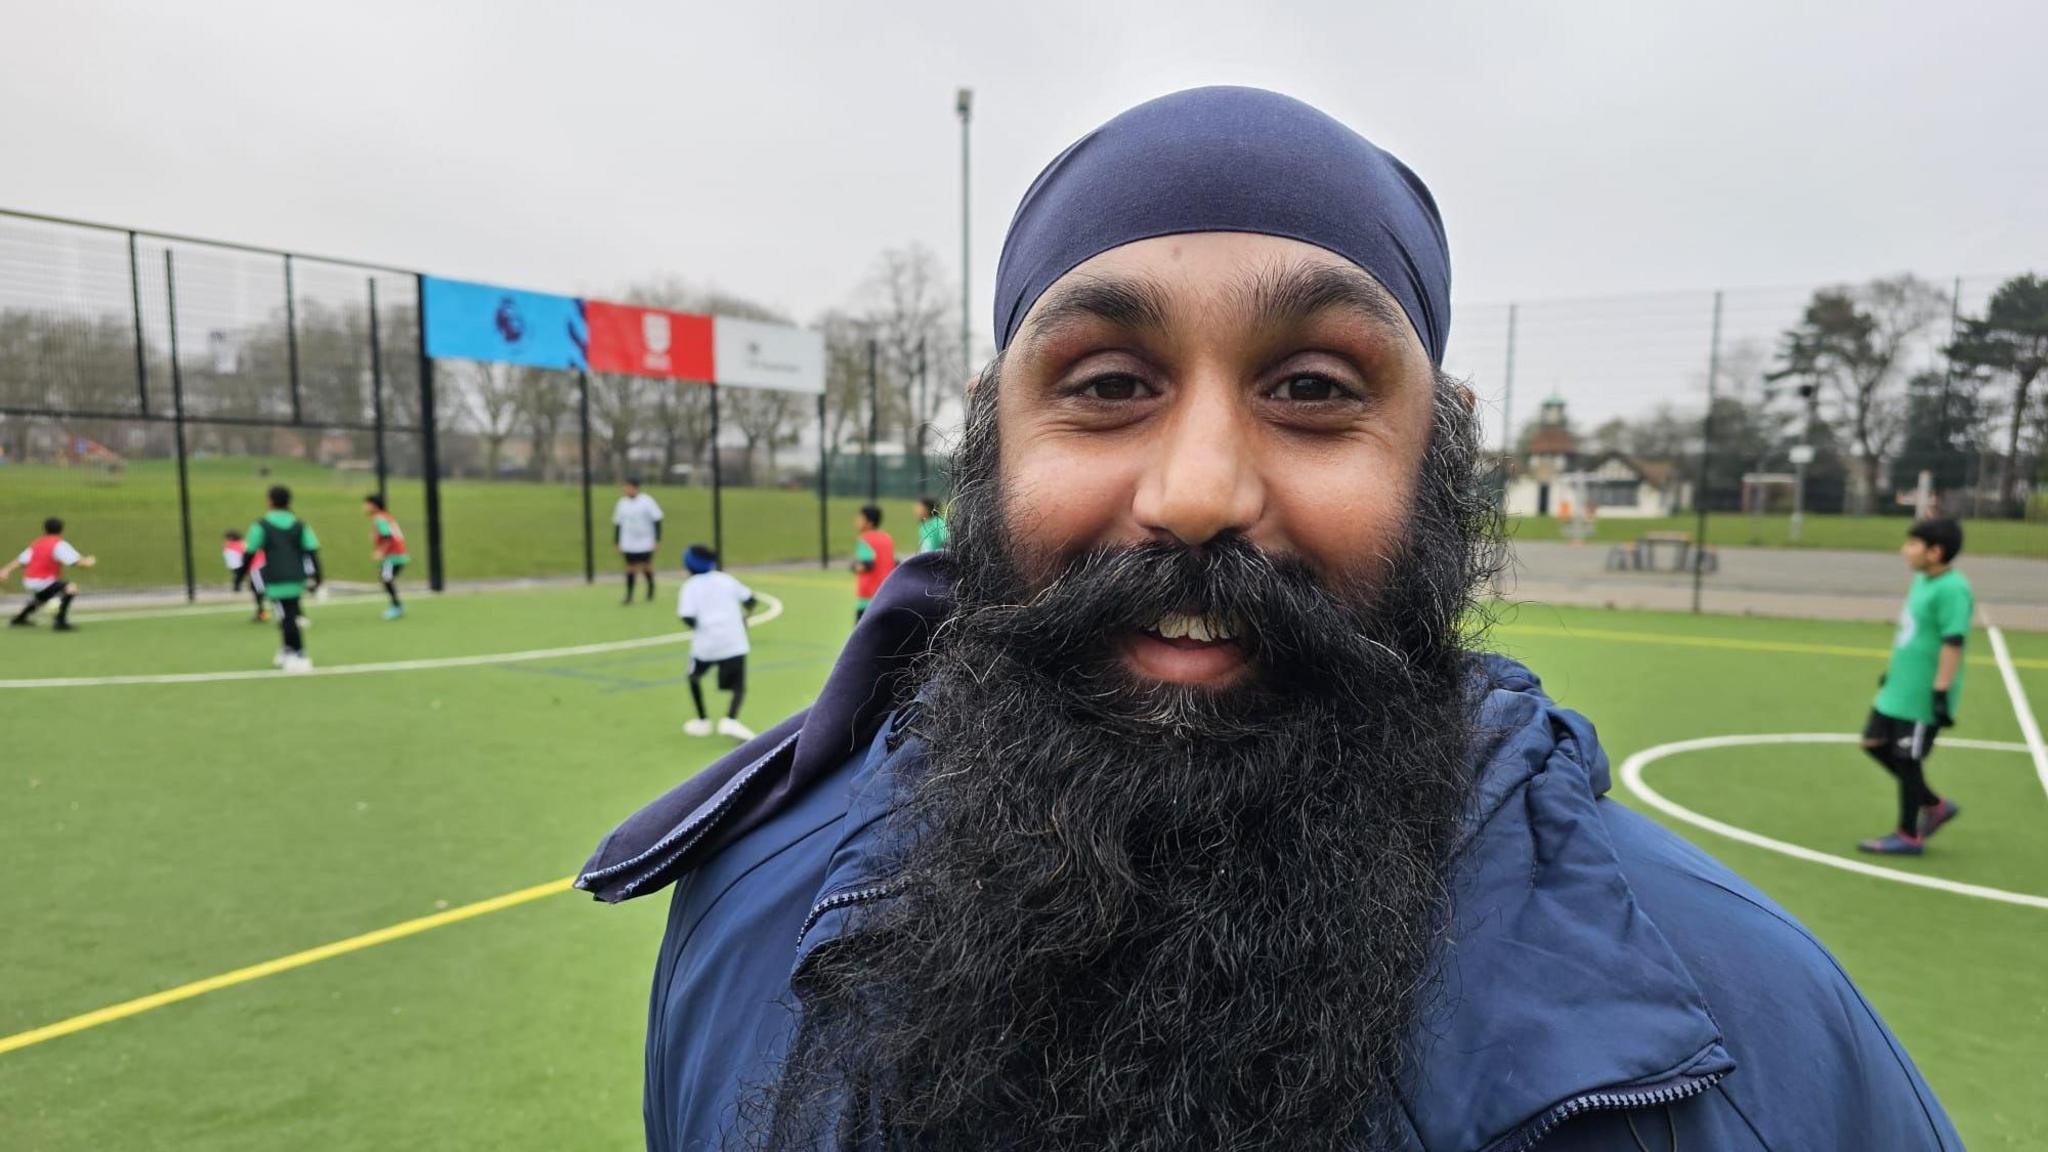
{"points": [[1230, 160]]}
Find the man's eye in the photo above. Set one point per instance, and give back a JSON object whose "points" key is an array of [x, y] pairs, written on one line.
{"points": [[1308, 389], [1113, 388]]}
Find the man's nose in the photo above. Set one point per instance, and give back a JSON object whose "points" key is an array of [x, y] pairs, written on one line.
{"points": [[1203, 479]]}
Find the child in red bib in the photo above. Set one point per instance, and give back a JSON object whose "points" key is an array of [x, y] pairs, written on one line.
{"points": [[42, 564], [874, 557], [234, 551]]}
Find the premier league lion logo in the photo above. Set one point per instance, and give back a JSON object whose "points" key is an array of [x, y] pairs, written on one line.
{"points": [[511, 326]]}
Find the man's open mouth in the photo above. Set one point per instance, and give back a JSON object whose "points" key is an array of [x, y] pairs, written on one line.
{"points": [[1187, 648], [1203, 629]]}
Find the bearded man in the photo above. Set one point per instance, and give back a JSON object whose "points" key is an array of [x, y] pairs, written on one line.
{"points": [[1177, 807]]}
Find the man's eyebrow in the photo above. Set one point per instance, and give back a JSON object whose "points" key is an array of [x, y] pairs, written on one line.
{"points": [[1124, 302], [1292, 293]]}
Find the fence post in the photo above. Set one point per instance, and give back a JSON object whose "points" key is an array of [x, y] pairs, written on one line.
{"points": [[430, 445], [135, 303], [583, 425], [1948, 381], [717, 484], [1699, 492], [291, 337], [1507, 397], [376, 394], [178, 430], [874, 418], [922, 415], [824, 488]]}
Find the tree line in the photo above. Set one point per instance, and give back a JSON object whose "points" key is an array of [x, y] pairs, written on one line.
{"points": [[1883, 380]]}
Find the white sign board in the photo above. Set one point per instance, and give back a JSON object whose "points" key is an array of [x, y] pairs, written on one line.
{"points": [[1801, 454], [749, 354]]}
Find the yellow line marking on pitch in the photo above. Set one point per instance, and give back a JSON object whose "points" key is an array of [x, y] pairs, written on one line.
{"points": [[1730, 643], [169, 996]]}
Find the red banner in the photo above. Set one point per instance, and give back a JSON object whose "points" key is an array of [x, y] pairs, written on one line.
{"points": [[649, 341]]}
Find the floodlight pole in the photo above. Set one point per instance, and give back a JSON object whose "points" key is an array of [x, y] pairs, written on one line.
{"points": [[1699, 492], [1801, 457]]}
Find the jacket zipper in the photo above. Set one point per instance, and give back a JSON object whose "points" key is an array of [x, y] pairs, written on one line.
{"points": [[1535, 1133], [841, 900]]}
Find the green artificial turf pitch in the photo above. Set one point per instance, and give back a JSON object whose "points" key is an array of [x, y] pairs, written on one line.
{"points": [[160, 834]]}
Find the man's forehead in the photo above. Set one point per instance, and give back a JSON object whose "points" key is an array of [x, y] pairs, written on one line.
{"points": [[1160, 283]]}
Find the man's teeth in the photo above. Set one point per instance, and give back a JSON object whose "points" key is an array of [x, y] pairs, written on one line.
{"points": [[1204, 629]]}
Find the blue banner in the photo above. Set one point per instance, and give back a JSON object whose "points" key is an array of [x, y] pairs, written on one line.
{"points": [[483, 322]]}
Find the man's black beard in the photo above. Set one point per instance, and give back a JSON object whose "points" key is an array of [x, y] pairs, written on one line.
{"points": [[1151, 917]]}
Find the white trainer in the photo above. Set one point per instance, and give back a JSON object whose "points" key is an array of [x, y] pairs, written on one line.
{"points": [[735, 729], [297, 665], [277, 661], [697, 728]]}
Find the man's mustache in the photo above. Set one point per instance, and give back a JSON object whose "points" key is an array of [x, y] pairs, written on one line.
{"points": [[1282, 612]]}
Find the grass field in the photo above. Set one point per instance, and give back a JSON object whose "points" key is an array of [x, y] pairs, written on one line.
{"points": [[161, 834], [492, 531]]}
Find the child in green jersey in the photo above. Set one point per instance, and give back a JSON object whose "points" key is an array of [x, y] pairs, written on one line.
{"points": [[291, 564], [1917, 695]]}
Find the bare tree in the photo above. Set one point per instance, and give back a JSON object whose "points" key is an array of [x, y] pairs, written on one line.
{"points": [[681, 417], [765, 417], [542, 402], [846, 387], [909, 308], [1851, 347], [1742, 371], [492, 401], [617, 405]]}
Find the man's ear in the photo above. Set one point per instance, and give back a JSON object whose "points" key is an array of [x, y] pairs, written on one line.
{"points": [[1466, 398]]}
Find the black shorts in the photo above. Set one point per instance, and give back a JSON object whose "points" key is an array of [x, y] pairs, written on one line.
{"points": [[638, 557], [1908, 738], [732, 672]]}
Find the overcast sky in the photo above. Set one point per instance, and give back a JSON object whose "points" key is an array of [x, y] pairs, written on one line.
{"points": [[1577, 149]]}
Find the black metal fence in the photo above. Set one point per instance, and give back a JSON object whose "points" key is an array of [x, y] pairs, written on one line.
{"points": [[153, 386]]}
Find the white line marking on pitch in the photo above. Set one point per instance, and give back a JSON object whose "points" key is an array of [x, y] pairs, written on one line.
{"points": [[2020, 709], [1632, 777], [774, 610]]}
